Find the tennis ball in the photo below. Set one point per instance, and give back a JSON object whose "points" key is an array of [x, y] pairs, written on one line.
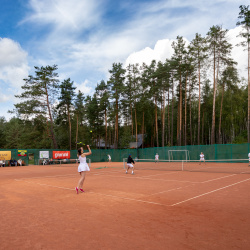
{"points": [[90, 131]]}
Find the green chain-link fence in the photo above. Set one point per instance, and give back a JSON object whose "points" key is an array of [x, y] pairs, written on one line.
{"points": [[211, 152]]}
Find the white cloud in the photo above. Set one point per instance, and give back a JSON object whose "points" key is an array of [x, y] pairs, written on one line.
{"points": [[239, 54], [69, 16], [4, 97], [162, 51], [13, 64], [83, 87]]}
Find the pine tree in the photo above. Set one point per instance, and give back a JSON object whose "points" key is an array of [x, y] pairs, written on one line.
{"points": [[220, 51], [66, 101], [79, 111], [39, 94], [103, 95], [198, 50], [178, 62], [229, 78], [116, 84]]}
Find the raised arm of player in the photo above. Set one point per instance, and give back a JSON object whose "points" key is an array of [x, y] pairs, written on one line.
{"points": [[88, 153]]}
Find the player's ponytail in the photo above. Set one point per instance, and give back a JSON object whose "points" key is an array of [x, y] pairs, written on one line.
{"points": [[79, 152]]}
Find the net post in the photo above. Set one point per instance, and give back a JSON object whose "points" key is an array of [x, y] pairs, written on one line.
{"points": [[89, 162], [124, 162], [182, 167]]}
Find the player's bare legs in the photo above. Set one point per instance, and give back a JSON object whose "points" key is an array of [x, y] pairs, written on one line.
{"points": [[81, 181], [127, 169]]}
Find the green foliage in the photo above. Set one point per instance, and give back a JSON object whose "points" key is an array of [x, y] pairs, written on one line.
{"points": [[126, 137], [2, 132]]}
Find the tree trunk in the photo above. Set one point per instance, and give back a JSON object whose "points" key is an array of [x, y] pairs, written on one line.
{"points": [[131, 114], [116, 126], [163, 118], [106, 129], [222, 94], [69, 127], [199, 106], [248, 47], [168, 141], [178, 125], [190, 113], [172, 125], [202, 137], [185, 119], [51, 122], [180, 115], [156, 124], [136, 133], [76, 129], [142, 128], [214, 97]]}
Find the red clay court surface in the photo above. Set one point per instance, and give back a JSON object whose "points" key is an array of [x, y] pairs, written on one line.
{"points": [[153, 209]]}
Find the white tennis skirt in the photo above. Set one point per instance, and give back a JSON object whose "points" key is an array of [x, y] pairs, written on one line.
{"points": [[83, 167]]}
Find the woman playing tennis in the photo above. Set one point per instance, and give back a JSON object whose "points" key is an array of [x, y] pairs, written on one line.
{"points": [[83, 167]]}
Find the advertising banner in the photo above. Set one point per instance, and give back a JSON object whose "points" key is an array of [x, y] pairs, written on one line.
{"points": [[22, 152], [44, 154], [6, 155], [61, 154]]}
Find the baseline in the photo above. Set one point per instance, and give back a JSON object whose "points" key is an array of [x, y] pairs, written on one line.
{"points": [[198, 196], [40, 177]]}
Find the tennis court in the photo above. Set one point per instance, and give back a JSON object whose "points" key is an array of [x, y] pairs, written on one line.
{"points": [[153, 209]]}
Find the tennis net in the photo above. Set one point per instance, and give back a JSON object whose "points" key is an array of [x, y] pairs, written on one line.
{"points": [[237, 166], [61, 162]]}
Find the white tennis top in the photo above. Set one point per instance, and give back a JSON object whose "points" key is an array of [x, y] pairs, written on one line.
{"points": [[82, 159]]}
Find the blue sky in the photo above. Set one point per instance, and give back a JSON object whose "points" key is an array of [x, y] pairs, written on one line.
{"points": [[85, 37]]}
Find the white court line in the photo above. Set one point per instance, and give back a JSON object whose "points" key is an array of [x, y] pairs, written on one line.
{"points": [[198, 196], [40, 177], [218, 178], [42, 184], [142, 178], [168, 190], [131, 199], [103, 173], [52, 176], [161, 174], [193, 184], [108, 195], [147, 177]]}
